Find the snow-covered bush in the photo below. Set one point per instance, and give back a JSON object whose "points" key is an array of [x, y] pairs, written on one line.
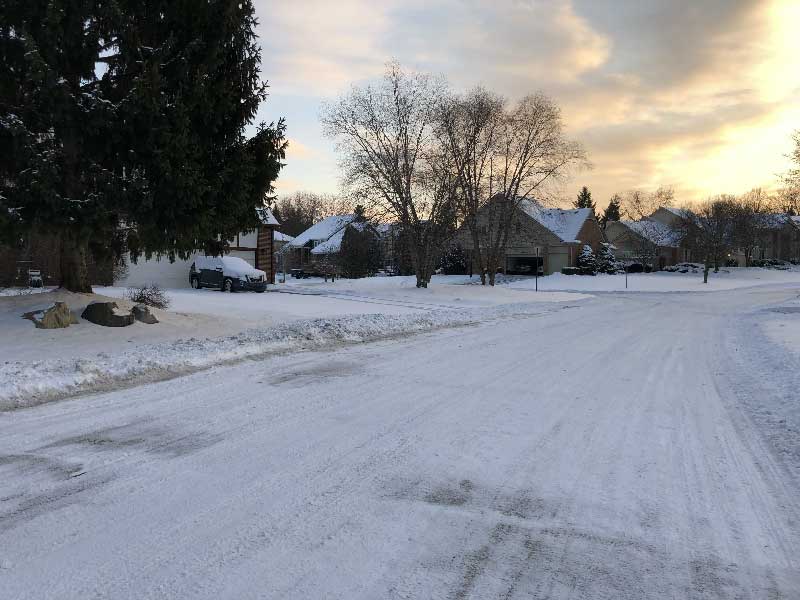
{"points": [[587, 263], [606, 261], [149, 295]]}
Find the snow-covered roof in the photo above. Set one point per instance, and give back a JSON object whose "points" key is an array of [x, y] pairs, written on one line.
{"points": [[282, 237], [655, 232], [322, 230], [774, 220], [334, 243], [265, 216], [565, 224]]}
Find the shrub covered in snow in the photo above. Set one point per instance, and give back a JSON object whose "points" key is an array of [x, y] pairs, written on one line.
{"points": [[586, 262], [149, 295], [606, 261]]}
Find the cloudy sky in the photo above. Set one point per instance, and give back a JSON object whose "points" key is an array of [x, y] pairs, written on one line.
{"points": [[700, 96]]}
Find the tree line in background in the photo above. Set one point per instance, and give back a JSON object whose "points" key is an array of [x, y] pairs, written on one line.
{"points": [[122, 126]]}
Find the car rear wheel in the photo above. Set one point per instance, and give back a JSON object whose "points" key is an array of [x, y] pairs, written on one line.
{"points": [[227, 285], [195, 282]]}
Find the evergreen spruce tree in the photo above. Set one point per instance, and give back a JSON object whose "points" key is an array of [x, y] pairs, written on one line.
{"points": [[454, 260], [131, 114], [606, 261], [584, 199], [586, 262], [613, 211]]}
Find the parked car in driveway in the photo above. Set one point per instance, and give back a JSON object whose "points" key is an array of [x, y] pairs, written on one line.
{"points": [[227, 273]]}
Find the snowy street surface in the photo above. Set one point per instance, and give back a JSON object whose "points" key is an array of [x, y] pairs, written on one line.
{"points": [[627, 446]]}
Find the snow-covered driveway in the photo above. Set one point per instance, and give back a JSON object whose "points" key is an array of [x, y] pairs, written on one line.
{"points": [[609, 450]]}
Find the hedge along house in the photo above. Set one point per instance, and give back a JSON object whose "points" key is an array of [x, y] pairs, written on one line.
{"points": [[257, 247], [549, 239]]}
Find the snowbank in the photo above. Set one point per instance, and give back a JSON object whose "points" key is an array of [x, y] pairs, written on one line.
{"points": [[31, 383]]}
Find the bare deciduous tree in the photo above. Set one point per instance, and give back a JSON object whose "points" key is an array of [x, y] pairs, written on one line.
{"points": [[533, 152], [468, 129], [709, 231], [640, 205], [385, 136], [747, 215], [503, 155], [790, 195]]}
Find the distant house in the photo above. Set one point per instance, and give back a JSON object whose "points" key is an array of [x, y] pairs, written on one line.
{"points": [[545, 238], [257, 247], [318, 248], [648, 241], [779, 238]]}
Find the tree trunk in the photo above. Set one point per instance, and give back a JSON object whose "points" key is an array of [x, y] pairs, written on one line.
{"points": [[705, 270], [476, 251], [421, 261], [74, 267]]}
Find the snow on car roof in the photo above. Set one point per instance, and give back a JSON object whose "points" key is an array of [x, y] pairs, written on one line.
{"points": [[565, 224], [232, 262], [322, 230]]}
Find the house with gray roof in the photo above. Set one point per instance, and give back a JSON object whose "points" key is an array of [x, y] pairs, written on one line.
{"points": [[543, 238], [318, 248]]}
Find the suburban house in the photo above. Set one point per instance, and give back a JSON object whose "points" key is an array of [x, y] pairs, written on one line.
{"points": [[257, 247], [779, 238], [549, 239], [319, 246], [648, 241], [296, 254]]}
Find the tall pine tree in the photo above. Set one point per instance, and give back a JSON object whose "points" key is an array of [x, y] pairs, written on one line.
{"points": [[131, 113], [584, 199], [612, 211]]}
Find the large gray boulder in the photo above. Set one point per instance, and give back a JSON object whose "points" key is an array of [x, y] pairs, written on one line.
{"points": [[107, 314], [57, 316], [141, 312]]}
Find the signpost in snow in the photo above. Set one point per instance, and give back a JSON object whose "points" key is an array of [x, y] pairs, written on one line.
{"points": [[538, 252]]}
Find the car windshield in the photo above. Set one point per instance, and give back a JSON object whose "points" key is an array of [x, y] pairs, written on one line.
{"points": [[234, 262]]}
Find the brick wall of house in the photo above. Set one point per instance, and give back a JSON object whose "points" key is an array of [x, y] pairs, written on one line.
{"points": [[592, 234], [265, 255]]}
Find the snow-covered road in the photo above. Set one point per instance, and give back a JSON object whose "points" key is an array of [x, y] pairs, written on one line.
{"points": [[609, 450]]}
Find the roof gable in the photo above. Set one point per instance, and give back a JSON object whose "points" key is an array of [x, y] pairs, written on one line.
{"points": [[565, 224], [322, 230], [655, 232], [265, 216]]}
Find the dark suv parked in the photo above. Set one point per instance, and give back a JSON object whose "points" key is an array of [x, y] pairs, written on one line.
{"points": [[228, 273]]}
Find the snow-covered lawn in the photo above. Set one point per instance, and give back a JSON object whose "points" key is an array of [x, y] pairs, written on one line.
{"points": [[628, 447], [204, 328], [726, 279]]}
